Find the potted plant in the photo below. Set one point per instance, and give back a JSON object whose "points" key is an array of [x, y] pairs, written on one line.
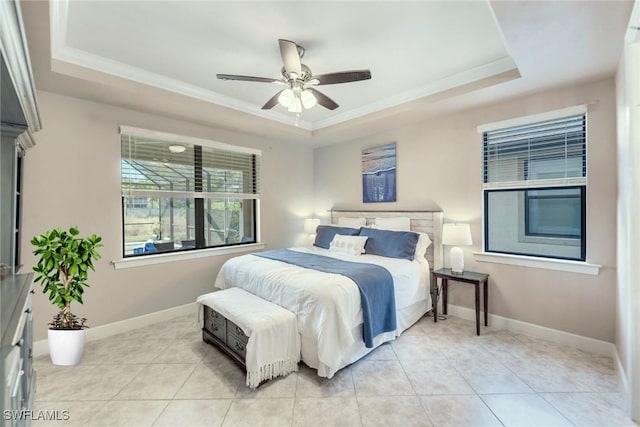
{"points": [[65, 260]]}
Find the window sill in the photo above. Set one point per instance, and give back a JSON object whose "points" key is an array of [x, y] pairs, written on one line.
{"points": [[535, 262], [180, 256]]}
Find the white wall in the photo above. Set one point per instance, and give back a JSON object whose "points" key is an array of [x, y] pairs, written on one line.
{"points": [[72, 177], [627, 337], [439, 165]]}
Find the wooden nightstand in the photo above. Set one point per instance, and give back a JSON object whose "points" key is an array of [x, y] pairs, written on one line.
{"points": [[474, 278]]}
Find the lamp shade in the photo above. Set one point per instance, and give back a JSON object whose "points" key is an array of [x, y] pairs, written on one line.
{"points": [[286, 97], [307, 98], [310, 225], [456, 235]]}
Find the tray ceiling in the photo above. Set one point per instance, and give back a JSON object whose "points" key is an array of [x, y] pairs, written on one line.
{"points": [[428, 58], [413, 49]]}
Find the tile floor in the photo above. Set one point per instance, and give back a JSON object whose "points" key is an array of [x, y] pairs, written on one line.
{"points": [[438, 375]]}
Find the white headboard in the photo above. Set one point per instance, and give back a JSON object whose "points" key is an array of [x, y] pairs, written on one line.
{"points": [[429, 222]]}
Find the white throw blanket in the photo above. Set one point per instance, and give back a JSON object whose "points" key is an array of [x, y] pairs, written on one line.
{"points": [[273, 348]]}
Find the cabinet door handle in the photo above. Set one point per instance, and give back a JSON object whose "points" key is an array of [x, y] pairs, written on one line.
{"points": [[238, 346]]}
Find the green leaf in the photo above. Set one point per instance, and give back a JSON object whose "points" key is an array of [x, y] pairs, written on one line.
{"points": [[63, 254]]}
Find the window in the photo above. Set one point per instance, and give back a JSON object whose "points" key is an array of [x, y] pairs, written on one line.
{"points": [[182, 193], [534, 179]]}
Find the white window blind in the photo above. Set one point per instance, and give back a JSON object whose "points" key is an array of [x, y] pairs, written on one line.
{"points": [[545, 154], [151, 168]]}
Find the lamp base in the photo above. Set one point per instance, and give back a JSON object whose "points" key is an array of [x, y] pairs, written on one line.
{"points": [[456, 257]]}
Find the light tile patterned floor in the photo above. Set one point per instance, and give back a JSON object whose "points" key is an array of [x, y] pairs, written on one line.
{"points": [[436, 374]]}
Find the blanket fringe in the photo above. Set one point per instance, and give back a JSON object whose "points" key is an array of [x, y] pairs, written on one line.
{"points": [[270, 371]]}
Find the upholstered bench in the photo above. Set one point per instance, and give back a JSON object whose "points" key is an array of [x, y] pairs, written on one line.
{"points": [[259, 335]]}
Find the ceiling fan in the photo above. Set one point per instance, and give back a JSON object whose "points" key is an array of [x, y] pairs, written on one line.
{"points": [[300, 81]]}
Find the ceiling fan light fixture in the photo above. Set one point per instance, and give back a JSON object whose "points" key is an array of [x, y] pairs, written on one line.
{"points": [[295, 106], [299, 78], [286, 98], [308, 100]]}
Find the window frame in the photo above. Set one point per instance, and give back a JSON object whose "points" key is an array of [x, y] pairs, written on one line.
{"points": [[535, 185], [527, 214], [537, 239], [197, 197]]}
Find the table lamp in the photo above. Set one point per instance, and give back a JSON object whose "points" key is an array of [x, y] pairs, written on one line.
{"points": [[310, 226], [456, 235]]}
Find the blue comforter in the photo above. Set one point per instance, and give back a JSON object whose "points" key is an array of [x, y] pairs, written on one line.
{"points": [[375, 284]]}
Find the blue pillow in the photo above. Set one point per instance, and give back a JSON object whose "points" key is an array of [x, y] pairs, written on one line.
{"points": [[325, 234], [392, 244]]}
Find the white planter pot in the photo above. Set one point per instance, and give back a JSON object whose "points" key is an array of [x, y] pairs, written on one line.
{"points": [[66, 347]]}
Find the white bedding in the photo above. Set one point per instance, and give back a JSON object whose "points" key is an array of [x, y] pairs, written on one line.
{"points": [[328, 305]]}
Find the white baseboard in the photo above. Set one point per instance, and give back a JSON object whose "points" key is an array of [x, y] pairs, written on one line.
{"points": [[565, 338], [622, 376], [560, 337], [41, 347]]}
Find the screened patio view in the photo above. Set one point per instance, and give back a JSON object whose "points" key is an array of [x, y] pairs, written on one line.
{"points": [[162, 191]]}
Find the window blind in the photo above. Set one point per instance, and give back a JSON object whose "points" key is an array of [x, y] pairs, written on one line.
{"points": [[544, 154], [151, 167]]}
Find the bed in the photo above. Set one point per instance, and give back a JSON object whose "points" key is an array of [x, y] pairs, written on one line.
{"points": [[327, 305]]}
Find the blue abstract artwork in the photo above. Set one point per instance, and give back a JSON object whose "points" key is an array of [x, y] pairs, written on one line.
{"points": [[379, 174]]}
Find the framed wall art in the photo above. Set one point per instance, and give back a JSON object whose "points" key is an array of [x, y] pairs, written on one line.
{"points": [[379, 174]]}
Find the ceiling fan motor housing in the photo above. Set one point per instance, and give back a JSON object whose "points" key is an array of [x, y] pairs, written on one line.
{"points": [[306, 74]]}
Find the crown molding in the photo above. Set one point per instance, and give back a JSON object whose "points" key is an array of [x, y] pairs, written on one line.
{"points": [[465, 77], [101, 65], [13, 45]]}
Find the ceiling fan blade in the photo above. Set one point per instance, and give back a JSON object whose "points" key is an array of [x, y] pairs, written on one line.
{"points": [[323, 99], [247, 78], [273, 101], [290, 57], [343, 77]]}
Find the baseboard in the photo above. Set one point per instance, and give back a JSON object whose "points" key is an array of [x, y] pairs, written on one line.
{"points": [[565, 338], [560, 337], [622, 375], [41, 347]]}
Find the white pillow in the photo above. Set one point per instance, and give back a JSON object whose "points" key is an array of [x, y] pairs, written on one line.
{"points": [[352, 222], [421, 248], [351, 245], [394, 224]]}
